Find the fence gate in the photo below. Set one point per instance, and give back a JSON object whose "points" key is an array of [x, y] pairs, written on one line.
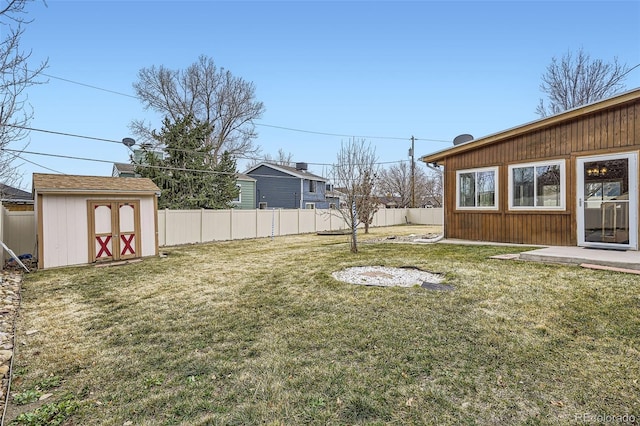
{"points": [[114, 230]]}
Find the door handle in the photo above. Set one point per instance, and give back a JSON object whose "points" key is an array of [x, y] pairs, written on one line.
{"points": [[579, 202]]}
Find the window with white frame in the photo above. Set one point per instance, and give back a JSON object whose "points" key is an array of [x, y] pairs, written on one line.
{"points": [[477, 188], [310, 205], [238, 199], [538, 186], [312, 186]]}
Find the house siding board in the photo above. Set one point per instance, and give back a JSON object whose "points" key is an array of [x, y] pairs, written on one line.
{"points": [[247, 196], [613, 129], [278, 189], [318, 197], [282, 190], [636, 121]]}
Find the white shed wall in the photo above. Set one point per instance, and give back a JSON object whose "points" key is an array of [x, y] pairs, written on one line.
{"points": [[65, 228], [65, 231], [148, 217]]}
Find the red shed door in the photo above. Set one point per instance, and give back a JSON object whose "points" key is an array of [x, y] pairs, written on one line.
{"points": [[114, 230]]}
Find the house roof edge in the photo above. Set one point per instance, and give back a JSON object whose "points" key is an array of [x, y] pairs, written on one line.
{"points": [[622, 98]]}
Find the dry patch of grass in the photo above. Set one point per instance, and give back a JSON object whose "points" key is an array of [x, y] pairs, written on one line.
{"points": [[258, 332]]}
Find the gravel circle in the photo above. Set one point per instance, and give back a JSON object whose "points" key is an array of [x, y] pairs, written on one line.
{"points": [[386, 276]]}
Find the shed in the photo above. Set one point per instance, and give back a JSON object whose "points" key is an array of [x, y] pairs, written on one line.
{"points": [[86, 219], [570, 179]]}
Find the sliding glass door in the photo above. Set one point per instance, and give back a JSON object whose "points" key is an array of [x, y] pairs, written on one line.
{"points": [[608, 201]]}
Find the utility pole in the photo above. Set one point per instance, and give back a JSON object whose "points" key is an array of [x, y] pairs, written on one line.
{"points": [[413, 173]]}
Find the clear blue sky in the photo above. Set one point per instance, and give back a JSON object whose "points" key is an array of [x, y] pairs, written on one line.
{"points": [[383, 70]]}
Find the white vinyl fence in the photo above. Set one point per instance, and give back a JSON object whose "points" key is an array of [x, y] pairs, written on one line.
{"points": [[198, 226], [175, 227], [18, 232]]}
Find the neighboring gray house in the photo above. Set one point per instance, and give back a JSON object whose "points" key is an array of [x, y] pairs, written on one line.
{"points": [[247, 196], [288, 187]]}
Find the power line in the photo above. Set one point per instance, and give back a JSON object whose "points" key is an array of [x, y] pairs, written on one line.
{"points": [[32, 162], [347, 136], [90, 86], [257, 124], [165, 149], [39, 165], [62, 133], [17, 153]]}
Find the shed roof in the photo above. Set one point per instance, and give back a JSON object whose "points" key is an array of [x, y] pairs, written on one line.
{"points": [[614, 101], [52, 183]]}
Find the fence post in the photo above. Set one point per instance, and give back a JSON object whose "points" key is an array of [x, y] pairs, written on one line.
{"points": [[166, 225], [330, 217], [201, 225]]}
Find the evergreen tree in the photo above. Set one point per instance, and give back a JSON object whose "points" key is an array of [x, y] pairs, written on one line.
{"points": [[225, 189], [186, 175]]}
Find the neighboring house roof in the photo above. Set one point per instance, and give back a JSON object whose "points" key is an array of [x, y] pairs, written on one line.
{"points": [[302, 174], [390, 200], [546, 122], [124, 168], [59, 184], [9, 193], [337, 192], [242, 176]]}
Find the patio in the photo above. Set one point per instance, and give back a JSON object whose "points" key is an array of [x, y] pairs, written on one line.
{"points": [[619, 260]]}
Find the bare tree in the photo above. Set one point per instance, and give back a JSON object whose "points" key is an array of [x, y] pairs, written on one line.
{"points": [[283, 159], [208, 93], [15, 77], [395, 181], [367, 203], [430, 193], [578, 80], [355, 175]]}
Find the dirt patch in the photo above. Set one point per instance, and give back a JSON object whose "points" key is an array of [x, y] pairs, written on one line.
{"points": [[413, 238]]}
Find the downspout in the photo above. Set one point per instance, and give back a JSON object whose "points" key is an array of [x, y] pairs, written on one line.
{"points": [[435, 168]]}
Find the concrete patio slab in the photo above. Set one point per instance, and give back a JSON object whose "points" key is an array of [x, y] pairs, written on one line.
{"points": [[620, 259], [579, 255]]}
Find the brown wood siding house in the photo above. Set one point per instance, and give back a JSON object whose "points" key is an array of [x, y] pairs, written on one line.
{"points": [[567, 180]]}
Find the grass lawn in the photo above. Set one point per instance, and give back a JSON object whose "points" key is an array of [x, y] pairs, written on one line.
{"points": [[258, 332]]}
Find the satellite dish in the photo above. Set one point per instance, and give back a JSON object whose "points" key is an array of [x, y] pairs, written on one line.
{"points": [[465, 137], [129, 142]]}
